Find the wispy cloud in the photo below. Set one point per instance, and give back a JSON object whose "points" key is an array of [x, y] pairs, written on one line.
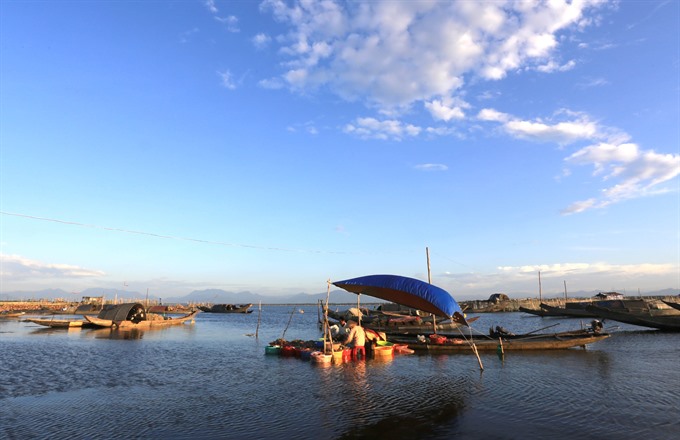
{"points": [[553, 66], [261, 41], [431, 167], [633, 173], [227, 80], [564, 131], [17, 268], [582, 276], [210, 5], [371, 128], [230, 21], [587, 83]]}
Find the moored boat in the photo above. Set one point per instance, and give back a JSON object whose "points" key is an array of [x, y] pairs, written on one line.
{"points": [[674, 305], [133, 315], [58, 323], [9, 315], [640, 318], [538, 312], [554, 341], [227, 308]]}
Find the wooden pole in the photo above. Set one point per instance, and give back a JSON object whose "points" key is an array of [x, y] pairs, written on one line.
{"points": [[540, 292], [565, 293], [259, 316], [359, 307], [429, 280], [289, 320], [326, 327]]}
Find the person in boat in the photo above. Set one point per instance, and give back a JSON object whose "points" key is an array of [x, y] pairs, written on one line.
{"points": [[499, 332], [357, 339], [340, 331], [372, 338], [596, 326]]}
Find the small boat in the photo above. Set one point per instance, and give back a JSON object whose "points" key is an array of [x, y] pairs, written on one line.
{"points": [[59, 323], [538, 312], [10, 315], [555, 341], [134, 316], [570, 310], [227, 308]]}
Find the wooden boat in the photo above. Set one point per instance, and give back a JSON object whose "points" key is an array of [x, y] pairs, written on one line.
{"points": [[10, 315], [674, 305], [555, 341], [59, 323], [643, 318], [227, 308], [571, 310], [133, 315], [398, 327], [538, 312]]}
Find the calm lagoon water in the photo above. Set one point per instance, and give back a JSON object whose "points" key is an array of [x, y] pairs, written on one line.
{"points": [[212, 380]]}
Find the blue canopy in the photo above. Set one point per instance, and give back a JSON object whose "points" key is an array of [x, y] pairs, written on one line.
{"points": [[406, 291]]}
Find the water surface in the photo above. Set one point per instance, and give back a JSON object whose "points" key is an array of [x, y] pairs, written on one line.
{"points": [[211, 379]]}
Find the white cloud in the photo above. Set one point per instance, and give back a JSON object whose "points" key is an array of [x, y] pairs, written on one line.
{"points": [[210, 5], [431, 167], [635, 173], [574, 269], [261, 40], [596, 276], [592, 82], [553, 66], [488, 114], [394, 54], [563, 132], [16, 268], [271, 83], [231, 23], [447, 108], [371, 128], [227, 80]]}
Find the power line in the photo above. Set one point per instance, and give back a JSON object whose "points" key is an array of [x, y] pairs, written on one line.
{"points": [[171, 237]]}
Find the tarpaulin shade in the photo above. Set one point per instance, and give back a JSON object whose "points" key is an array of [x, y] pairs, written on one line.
{"points": [[406, 291]]}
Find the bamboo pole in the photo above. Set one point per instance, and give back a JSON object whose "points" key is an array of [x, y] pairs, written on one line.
{"points": [[259, 316], [359, 308], [429, 280], [326, 328], [289, 320]]}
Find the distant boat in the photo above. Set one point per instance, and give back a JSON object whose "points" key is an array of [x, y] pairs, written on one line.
{"points": [[227, 308], [134, 316], [8, 315], [539, 312]]}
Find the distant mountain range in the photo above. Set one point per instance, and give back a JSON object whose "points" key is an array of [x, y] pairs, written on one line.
{"points": [[219, 296], [215, 296]]}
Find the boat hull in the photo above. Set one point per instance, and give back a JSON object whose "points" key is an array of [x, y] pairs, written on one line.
{"points": [[58, 323], [124, 324], [557, 341]]}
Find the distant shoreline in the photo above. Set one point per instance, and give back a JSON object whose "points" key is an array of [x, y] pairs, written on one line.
{"points": [[473, 306]]}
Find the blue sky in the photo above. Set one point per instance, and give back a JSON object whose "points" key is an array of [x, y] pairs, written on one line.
{"points": [[270, 146]]}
